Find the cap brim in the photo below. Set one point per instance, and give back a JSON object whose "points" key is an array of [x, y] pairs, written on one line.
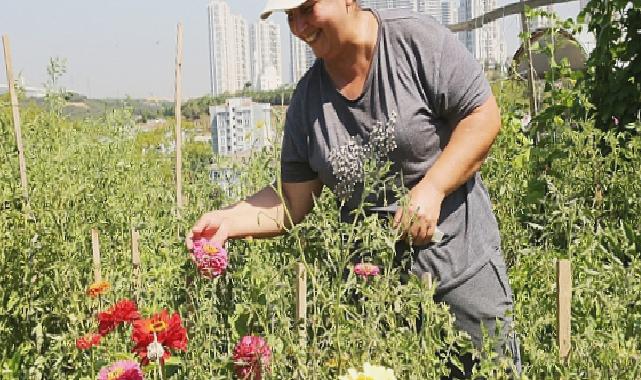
{"points": [[265, 14], [279, 5]]}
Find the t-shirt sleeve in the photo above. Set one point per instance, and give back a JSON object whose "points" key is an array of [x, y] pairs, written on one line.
{"points": [[294, 159], [461, 85]]}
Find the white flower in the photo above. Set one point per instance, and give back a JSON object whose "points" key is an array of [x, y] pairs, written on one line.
{"points": [[370, 372], [155, 351]]}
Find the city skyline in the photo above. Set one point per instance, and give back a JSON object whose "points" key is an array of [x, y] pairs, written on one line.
{"points": [[118, 48]]}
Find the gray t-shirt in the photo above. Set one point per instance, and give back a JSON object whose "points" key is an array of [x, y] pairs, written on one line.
{"points": [[421, 82]]}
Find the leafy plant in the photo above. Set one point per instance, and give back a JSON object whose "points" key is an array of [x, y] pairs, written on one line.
{"points": [[615, 83]]}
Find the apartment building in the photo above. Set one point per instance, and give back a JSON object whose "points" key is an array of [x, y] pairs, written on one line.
{"points": [[240, 126]]}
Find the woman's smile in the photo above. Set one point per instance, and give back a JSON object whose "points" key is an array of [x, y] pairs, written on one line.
{"points": [[311, 37]]}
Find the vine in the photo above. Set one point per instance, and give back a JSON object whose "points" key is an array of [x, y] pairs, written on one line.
{"points": [[615, 63]]}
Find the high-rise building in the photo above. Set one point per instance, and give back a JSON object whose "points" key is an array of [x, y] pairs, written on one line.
{"points": [[389, 4], [484, 43], [266, 55], [430, 7], [240, 126], [444, 11], [302, 57], [449, 12], [469, 9], [229, 60]]}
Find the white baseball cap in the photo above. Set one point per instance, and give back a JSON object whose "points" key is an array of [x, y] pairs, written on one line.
{"points": [[279, 5]]}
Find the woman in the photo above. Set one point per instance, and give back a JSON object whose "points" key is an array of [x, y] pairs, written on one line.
{"points": [[400, 78]]}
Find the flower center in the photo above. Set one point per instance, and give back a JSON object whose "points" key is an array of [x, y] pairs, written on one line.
{"points": [[157, 326], [210, 249], [115, 374]]}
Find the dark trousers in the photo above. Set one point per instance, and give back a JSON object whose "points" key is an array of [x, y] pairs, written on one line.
{"points": [[484, 302]]}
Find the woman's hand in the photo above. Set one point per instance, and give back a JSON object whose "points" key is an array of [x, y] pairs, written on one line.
{"points": [[212, 225], [421, 216]]}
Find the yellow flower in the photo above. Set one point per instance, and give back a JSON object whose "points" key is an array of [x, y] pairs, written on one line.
{"points": [[331, 363], [370, 372]]}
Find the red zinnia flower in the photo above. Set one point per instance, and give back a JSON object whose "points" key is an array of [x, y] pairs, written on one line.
{"points": [[124, 311], [251, 356], [169, 332], [87, 341]]}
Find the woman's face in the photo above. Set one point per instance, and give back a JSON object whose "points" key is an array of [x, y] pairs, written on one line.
{"points": [[321, 24]]}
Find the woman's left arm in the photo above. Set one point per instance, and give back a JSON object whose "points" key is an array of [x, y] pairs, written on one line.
{"points": [[463, 156]]}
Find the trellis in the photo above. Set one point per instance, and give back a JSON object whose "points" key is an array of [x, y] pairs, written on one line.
{"points": [[508, 10]]}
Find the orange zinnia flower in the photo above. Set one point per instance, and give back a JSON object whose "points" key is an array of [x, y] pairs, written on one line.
{"points": [[98, 288]]}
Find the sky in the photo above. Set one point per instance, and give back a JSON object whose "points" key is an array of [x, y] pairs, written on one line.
{"points": [[119, 48]]}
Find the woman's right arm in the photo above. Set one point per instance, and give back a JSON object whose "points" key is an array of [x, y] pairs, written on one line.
{"points": [[261, 215]]}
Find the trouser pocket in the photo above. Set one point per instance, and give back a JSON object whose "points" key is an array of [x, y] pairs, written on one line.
{"points": [[500, 269]]}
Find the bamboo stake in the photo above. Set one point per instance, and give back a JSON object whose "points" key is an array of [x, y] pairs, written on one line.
{"points": [[564, 302], [15, 111], [135, 262], [531, 85], [301, 303], [95, 245], [500, 12], [178, 113]]}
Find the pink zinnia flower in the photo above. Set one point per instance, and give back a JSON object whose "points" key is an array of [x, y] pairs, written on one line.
{"points": [[121, 370], [366, 270], [251, 356], [210, 258]]}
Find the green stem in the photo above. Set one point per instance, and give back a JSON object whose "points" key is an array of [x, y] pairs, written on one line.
{"points": [[93, 366]]}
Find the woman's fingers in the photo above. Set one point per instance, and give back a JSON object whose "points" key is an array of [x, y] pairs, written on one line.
{"points": [[221, 235], [189, 240], [203, 224], [416, 225], [207, 225], [398, 217], [419, 227]]}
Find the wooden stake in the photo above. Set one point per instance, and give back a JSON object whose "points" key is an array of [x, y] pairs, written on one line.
{"points": [[15, 111], [95, 245], [178, 113], [301, 303], [564, 311], [135, 262], [427, 279]]}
